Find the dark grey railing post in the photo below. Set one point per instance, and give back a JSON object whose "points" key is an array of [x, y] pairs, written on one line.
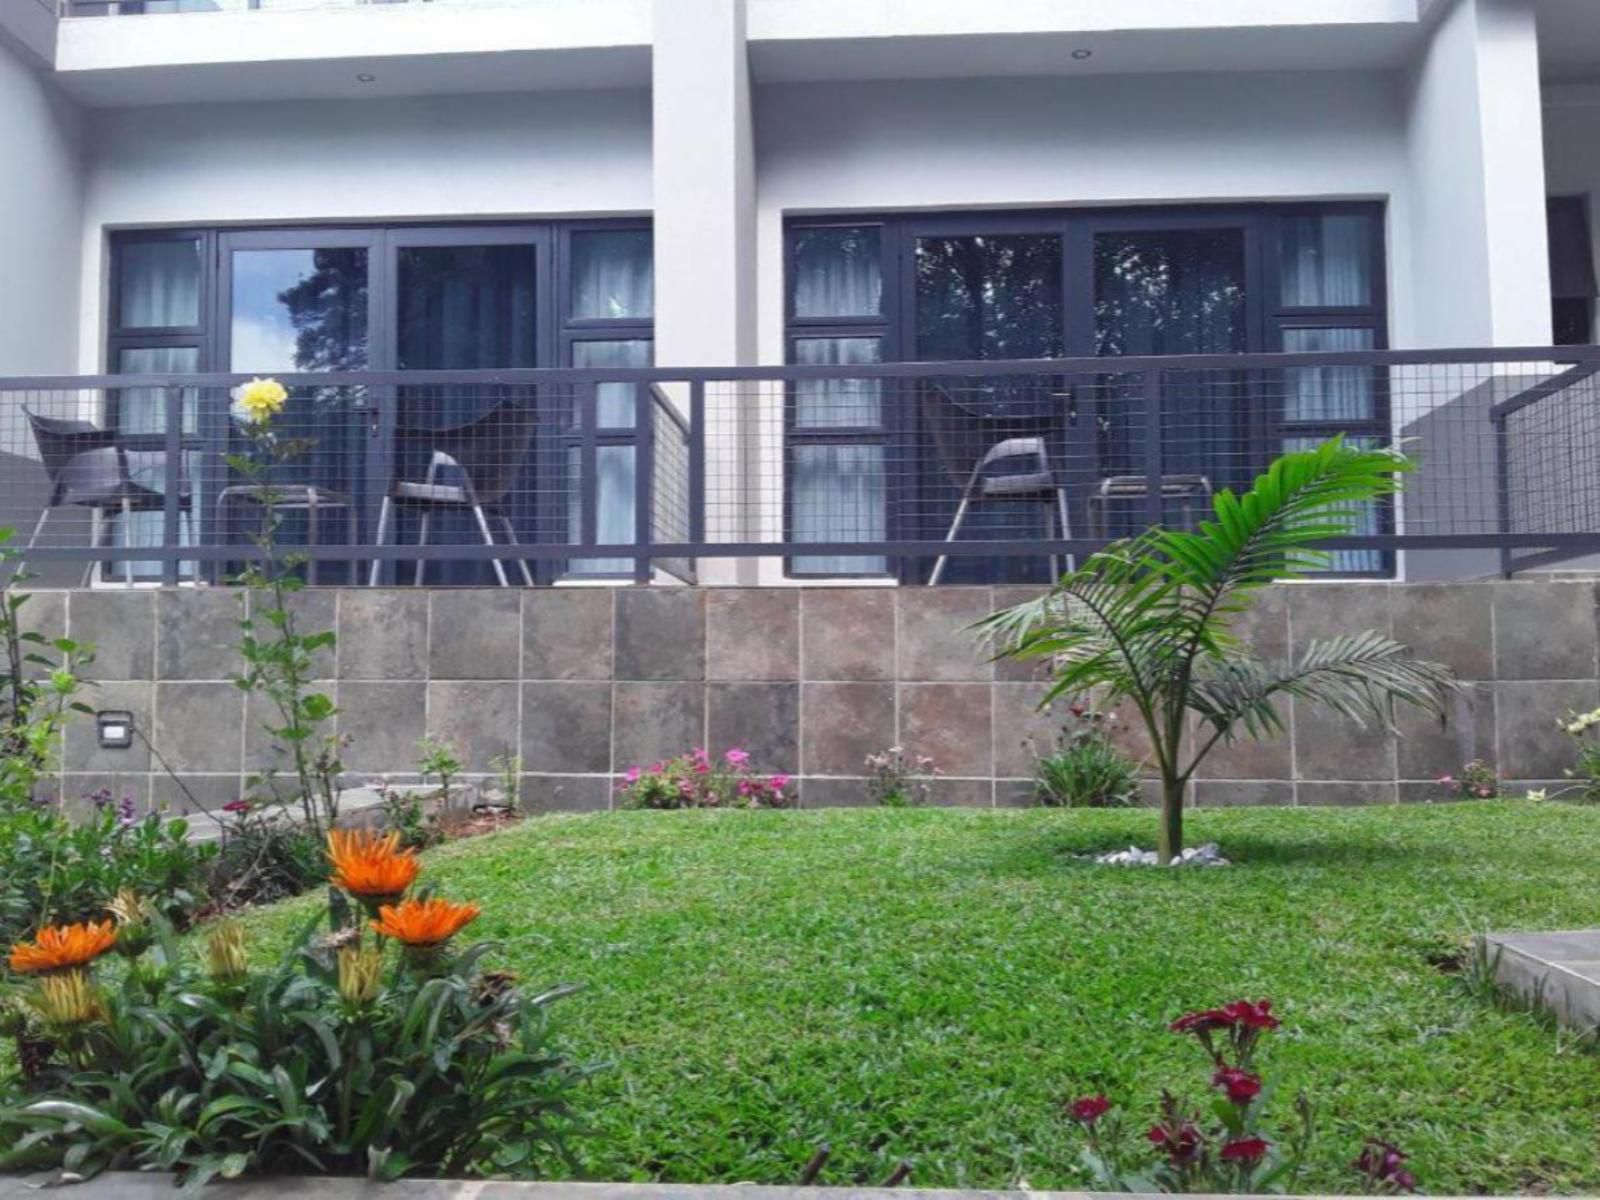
{"points": [[587, 394], [697, 461], [644, 476], [1154, 469], [172, 484], [1502, 488]]}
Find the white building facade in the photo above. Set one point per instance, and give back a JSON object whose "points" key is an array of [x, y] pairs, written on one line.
{"points": [[721, 183]]}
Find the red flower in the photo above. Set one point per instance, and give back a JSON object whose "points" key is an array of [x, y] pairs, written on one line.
{"points": [[1181, 1143], [1241, 1086], [1248, 1151], [1089, 1109], [236, 806], [1202, 1022], [1384, 1165], [1251, 1016]]}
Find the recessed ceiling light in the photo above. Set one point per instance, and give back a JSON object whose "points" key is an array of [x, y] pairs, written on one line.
{"points": [[365, 78], [1080, 55]]}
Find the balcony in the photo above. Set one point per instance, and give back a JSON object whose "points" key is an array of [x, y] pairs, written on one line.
{"points": [[901, 473]]}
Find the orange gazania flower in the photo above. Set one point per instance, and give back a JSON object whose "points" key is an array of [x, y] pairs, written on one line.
{"points": [[424, 922], [369, 866], [59, 947]]}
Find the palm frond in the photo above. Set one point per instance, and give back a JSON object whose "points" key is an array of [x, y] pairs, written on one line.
{"points": [[1361, 676]]}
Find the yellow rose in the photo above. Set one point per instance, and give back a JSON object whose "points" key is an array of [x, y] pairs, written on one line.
{"points": [[261, 399]]}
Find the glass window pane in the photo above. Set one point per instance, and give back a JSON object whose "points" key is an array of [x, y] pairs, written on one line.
{"points": [[614, 507], [839, 497], [837, 272], [466, 307], [1333, 393], [1327, 261], [299, 310], [1362, 516], [1170, 291], [989, 298], [158, 284], [143, 410], [615, 401], [820, 403], [613, 275]]}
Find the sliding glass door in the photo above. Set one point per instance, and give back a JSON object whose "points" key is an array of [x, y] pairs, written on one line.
{"points": [[300, 302], [408, 298], [468, 300]]}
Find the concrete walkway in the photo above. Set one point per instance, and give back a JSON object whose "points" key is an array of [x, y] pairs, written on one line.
{"points": [[1559, 972]]}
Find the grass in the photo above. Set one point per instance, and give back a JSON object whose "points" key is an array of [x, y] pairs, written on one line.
{"points": [[932, 984]]}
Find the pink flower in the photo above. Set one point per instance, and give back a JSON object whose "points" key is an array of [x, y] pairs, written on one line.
{"points": [[236, 806], [737, 757], [779, 782], [633, 775], [658, 768]]}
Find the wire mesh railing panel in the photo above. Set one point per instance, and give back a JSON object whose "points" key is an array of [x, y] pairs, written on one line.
{"points": [[936, 474]]}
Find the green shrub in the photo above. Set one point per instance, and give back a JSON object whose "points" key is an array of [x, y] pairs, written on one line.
{"points": [[353, 1055], [54, 869], [1086, 770]]}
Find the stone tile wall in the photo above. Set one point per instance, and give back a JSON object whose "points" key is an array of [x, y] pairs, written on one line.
{"points": [[583, 682]]}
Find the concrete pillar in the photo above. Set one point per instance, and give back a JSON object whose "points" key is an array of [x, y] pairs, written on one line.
{"points": [[704, 185], [1480, 273]]}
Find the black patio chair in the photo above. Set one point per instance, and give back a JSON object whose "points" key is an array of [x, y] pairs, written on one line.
{"points": [[471, 468], [994, 442], [87, 467]]}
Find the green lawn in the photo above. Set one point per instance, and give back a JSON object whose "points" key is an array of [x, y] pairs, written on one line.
{"points": [[933, 983]]}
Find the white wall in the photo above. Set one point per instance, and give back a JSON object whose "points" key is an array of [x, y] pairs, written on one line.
{"points": [[41, 219], [1572, 151], [455, 158], [1478, 215], [1110, 140]]}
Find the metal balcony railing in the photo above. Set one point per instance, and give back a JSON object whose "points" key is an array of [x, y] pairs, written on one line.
{"points": [[916, 472]]}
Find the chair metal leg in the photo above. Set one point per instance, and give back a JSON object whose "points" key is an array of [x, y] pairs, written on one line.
{"points": [[1066, 526], [488, 540], [314, 566], [955, 527], [511, 540], [378, 539], [422, 540], [33, 539], [127, 543]]}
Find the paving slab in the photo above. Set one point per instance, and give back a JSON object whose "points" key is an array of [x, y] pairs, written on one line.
{"points": [[1557, 971]]}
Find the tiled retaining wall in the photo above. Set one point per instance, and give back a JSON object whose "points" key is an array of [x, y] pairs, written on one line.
{"points": [[585, 681]]}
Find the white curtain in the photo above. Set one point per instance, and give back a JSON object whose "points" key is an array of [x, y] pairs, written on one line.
{"points": [[837, 273], [614, 507], [1327, 261], [1331, 393], [617, 407], [159, 284], [839, 497], [1362, 517], [820, 403], [613, 275]]}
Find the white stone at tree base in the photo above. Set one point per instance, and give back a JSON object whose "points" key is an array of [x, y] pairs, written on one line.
{"points": [[1209, 855]]}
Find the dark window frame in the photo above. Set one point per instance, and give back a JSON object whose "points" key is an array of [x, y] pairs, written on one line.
{"points": [[1267, 317]]}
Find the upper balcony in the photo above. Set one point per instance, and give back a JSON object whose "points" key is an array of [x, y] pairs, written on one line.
{"points": [[136, 52], [173, 51]]}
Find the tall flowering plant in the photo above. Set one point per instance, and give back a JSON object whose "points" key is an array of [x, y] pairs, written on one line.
{"points": [[280, 659], [696, 780], [1225, 1146]]}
